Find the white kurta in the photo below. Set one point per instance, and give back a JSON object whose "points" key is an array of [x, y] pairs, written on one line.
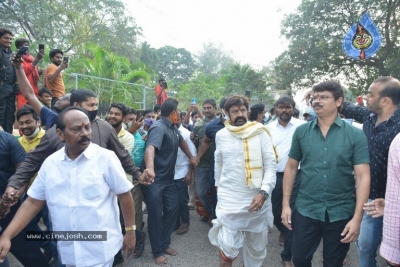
{"points": [[234, 196]]}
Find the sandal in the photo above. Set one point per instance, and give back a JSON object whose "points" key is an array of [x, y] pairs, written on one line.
{"points": [[182, 229], [139, 247]]}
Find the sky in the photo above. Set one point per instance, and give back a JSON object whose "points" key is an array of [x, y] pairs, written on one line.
{"points": [[249, 30]]}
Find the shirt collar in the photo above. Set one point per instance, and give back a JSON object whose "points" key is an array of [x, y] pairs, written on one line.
{"points": [[122, 132], [338, 121], [39, 135], [279, 125], [5, 49], [88, 153], [167, 122]]}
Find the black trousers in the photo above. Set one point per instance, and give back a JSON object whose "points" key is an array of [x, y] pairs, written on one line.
{"points": [[276, 199], [307, 234], [27, 252], [7, 112], [161, 199]]}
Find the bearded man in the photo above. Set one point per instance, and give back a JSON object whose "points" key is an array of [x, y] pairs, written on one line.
{"points": [[244, 182]]}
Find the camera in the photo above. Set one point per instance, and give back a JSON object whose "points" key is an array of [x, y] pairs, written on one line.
{"points": [[22, 51], [164, 84]]}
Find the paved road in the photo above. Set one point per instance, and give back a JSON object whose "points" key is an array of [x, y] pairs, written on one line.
{"points": [[195, 250]]}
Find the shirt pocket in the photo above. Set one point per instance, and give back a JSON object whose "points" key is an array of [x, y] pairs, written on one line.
{"points": [[91, 186]]}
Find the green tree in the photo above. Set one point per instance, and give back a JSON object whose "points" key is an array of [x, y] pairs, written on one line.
{"points": [[241, 78], [175, 63], [103, 63], [69, 24], [315, 32], [212, 59]]}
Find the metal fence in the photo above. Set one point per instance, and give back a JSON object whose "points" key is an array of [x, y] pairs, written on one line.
{"points": [[137, 96]]}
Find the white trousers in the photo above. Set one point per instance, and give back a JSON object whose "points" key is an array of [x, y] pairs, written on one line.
{"points": [[229, 241], [107, 264]]}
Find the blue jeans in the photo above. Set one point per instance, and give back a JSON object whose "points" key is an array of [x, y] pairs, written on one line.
{"points": [[202, 184], [183, 198], [369, 239]]}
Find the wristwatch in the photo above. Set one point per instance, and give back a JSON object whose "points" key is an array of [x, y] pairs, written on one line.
{"points": [[264, 194], [132, 228]]}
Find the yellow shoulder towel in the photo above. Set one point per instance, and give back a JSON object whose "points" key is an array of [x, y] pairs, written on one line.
{"points": [[253, 162]]}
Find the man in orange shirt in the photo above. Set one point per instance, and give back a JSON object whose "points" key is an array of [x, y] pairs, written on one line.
{"points": [[54, 79], [30, 68], [161, 95]]}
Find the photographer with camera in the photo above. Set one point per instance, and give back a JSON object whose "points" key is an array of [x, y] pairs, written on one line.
{"points": [[161, 94]]}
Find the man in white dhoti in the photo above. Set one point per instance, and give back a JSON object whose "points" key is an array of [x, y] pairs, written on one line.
{"points": [[245, 174]]}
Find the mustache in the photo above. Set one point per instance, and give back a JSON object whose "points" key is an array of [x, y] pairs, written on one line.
{"points": [[83, 139], [317, 105], [238, 118]]}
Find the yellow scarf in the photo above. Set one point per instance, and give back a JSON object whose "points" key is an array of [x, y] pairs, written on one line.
{"points": [[253, 164]]}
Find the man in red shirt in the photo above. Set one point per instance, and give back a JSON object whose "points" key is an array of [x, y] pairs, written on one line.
{"points": [[161, 95], [30, 68]]}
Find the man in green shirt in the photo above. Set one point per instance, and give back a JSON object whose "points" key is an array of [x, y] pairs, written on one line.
{"points": [[329, 150]]}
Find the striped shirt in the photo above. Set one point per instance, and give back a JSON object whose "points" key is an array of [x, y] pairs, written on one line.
{"points": [[390, 247]]}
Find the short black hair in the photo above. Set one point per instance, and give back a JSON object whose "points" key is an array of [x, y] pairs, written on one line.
{"points": [[54, 52], [44, 90], [5, 31], [222, 102], [60, 121], [236, 100], [156, 108], [119, 106], [391, 89], [296, 113], [168, 106], [131, 111], [80, 95], [26, 110], [147, 111], [20, 42], [161, 80], [194, 113], [331, 86], [255, 110], [272, 111], [285, 100], [183, 114], [211, 102]]}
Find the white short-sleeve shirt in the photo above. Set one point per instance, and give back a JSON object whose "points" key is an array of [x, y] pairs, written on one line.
{"points": [[82, 196]]}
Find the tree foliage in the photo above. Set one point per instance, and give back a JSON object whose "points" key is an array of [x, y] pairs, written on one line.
{"points": [[212, 59], [315, 32], [69, 24]]}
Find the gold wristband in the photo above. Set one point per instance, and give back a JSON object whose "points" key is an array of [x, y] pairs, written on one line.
{"points": [[287, 194], [132, 228]]}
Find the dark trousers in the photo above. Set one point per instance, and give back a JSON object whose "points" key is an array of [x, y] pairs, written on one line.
{"points": [[7, 112], [161, 199], [307, 234], [183, 198], [276, 199], [27, 252], [213, 190]]}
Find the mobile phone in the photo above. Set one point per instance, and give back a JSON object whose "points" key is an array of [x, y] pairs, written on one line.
{"points": [[22, 51], [66, 59], [41, 47], [247, 94], [194, 101]]}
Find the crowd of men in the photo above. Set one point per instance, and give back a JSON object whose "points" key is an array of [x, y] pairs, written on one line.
{"points": [[315, 179]]}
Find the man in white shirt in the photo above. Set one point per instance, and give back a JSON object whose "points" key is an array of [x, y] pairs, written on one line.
{"points": [[182, 179], [245, 167], [80, 183], [282, 131]]}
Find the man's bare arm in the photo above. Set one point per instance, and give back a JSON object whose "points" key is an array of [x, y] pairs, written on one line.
{"points": [[287, 187], [128, 212], [53, 77], [205, 145], [28, 210], [363, 179], [26, 88]]}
